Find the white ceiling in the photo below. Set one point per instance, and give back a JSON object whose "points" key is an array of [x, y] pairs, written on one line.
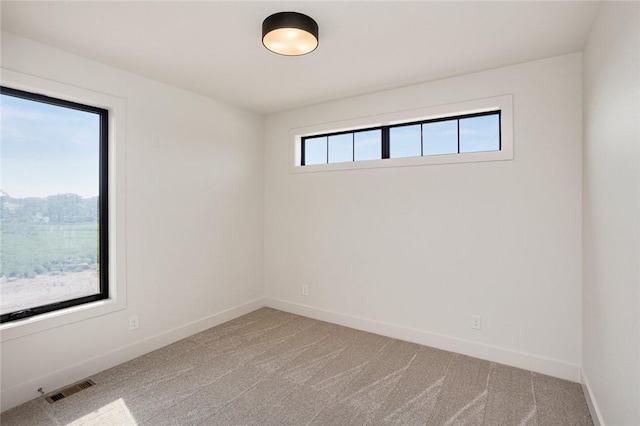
{"points": [[215, 48]]}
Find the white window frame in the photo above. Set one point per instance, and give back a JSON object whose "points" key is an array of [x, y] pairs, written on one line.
{"points": [[117, 198], [504, 103]]}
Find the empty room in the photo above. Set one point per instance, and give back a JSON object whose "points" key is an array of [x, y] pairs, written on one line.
{"points": [[320, 212]]}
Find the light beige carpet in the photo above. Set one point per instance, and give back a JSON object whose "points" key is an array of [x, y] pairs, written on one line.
{"points": [[275, 368]]}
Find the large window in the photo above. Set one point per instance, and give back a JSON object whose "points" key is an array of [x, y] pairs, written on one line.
{"points": [[479, 132], [54, 219]]}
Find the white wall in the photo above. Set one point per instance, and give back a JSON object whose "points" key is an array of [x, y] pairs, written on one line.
{"points": [[409, 251], [414, 251], [194, 197], [611, 203]]}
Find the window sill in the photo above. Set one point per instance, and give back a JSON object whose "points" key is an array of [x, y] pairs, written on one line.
{"points": [[24, 327], [472, 157]]}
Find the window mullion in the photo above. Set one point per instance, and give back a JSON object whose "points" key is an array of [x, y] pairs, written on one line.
{"points": [[327, 149], [499, 130], [385, 142], [458, 132], [353, 146]]}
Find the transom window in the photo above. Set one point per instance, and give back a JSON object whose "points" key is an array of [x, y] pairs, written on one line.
{"points": [[53, 202], [459, 134]]}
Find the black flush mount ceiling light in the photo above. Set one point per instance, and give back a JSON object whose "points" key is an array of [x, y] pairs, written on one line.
{"points": [[290, 34]]}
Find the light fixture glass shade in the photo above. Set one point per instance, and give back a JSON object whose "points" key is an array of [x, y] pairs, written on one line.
{"points": [[290, 33]]}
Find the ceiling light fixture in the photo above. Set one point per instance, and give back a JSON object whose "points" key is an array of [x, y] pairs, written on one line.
{"points": [[290, 34]]}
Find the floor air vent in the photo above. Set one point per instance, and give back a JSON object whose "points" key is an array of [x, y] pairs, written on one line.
{"points": [[62, 394]]}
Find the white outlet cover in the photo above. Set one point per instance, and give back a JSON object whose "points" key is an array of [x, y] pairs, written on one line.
{"points": [[134, 322], [476, 322]]}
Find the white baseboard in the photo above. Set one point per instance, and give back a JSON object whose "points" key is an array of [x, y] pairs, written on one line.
{"points": [[505, 356], [596, 415], [27, 391]]}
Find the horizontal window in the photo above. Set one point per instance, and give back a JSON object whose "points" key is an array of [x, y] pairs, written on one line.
{"points": [[459, 134]]}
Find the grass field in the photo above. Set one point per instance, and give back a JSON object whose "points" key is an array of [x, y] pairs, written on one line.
{"points": [[33, 249]]}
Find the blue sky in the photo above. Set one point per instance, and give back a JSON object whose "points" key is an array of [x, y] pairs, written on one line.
{"points": [[47, 150]]}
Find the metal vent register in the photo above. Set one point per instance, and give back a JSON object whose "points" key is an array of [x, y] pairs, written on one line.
{"points": [[68, 391]]}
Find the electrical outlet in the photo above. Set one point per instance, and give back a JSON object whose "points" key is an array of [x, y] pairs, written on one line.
{"points": [[305, 290], [134, 322], [476, 322]]}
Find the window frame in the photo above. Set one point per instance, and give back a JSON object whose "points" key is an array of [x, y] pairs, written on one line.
{"points": [[385, 136], [117, 204], [503, 103], [103, 204]]}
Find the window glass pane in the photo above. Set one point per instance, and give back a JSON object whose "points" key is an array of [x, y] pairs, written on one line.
{"points": [[480, 134], [440, 137], [315, 150], [404, 141], [368, 145], [341, 148], [50, 157]]}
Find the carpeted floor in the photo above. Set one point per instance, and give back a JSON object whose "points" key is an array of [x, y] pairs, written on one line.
{"points": [[275, 368]]}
